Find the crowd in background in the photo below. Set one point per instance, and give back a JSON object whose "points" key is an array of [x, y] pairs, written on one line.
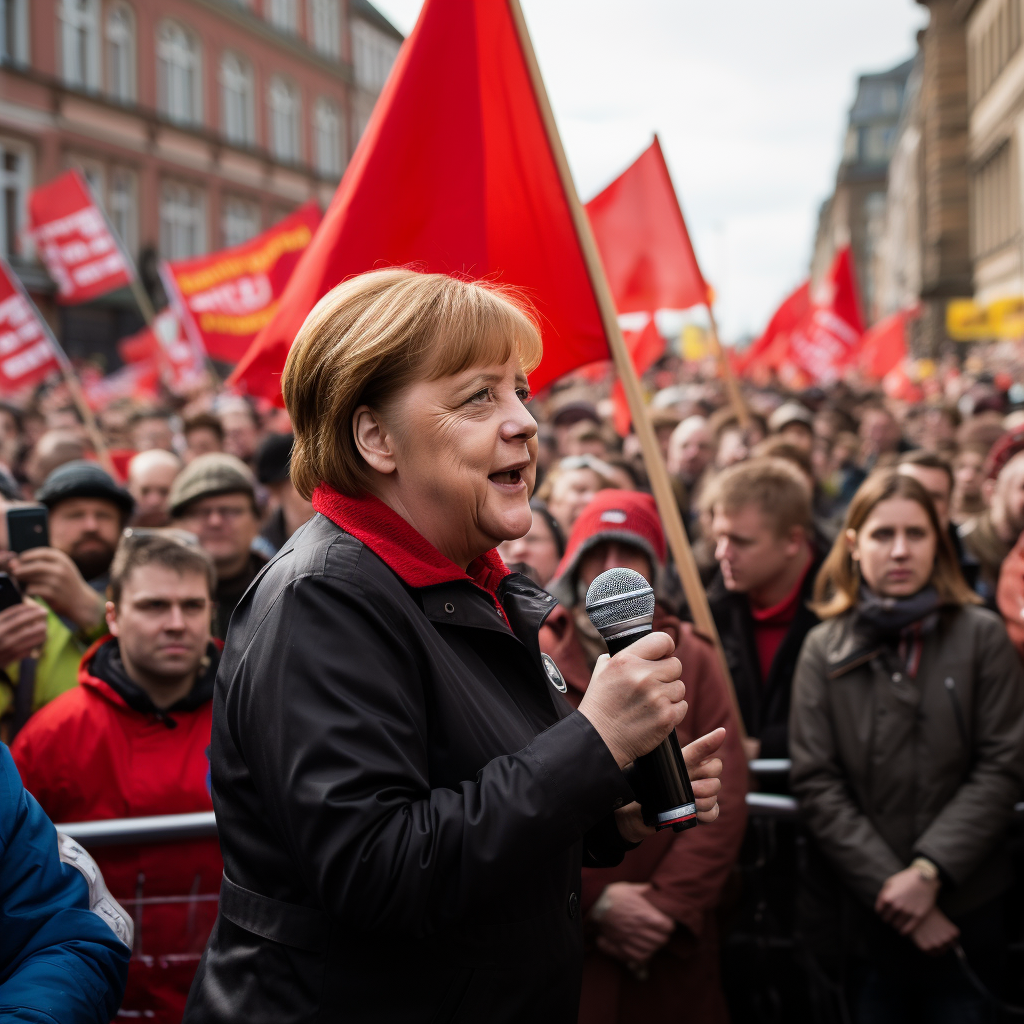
{"points": [[863, 560]]}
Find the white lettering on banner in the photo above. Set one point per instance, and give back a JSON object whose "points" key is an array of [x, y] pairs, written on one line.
{"points": [[239, 297], [9, 342], [14, 309], [89, 273], [88, 222], [29, 329], [26, 361]]}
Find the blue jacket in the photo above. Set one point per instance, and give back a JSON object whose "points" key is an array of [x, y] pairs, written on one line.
{"points": [[59, 961]]}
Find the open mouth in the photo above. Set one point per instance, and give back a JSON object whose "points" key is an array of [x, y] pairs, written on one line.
{"points": [[507, 478]]}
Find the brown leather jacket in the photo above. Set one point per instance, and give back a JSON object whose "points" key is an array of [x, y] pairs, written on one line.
{"points": [[887, 767]]}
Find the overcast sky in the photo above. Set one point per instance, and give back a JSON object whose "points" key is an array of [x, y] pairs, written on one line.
{"points": [[749, 98]]}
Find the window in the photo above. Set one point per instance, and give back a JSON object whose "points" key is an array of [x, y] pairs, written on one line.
{"points": [[80, 38], [121, 54], [373, 53], [182, 221], [14, 184], [323, 23], [122, 207], [285, 119], [994, 213], [237, 118], [327, 133], [990, 48], [283, 14], [240, 221], [178, 74], [14, 31]]}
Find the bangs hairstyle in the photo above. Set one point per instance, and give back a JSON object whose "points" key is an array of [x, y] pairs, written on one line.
{"points": [[836, 588], [163, 549], [374, 335]]}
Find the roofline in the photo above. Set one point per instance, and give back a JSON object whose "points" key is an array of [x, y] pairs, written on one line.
{"points": [[365, 10]]}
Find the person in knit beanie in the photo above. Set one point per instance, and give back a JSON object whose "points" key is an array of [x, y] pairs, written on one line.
{"points": [[650, 921]]}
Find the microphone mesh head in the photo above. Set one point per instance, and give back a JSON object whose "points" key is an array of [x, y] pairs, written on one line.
{"points": [[618, 595]]}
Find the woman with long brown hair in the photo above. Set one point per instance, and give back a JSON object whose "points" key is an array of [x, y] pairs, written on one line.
{"points": [[907, 742]]}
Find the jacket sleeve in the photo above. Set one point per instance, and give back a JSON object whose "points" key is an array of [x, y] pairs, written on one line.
{"points": [[689, 879], [971, 824], [843, 832], [59, 961], [332, 718]]}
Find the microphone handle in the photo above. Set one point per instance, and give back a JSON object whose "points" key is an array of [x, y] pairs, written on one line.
{"points": [[659, 779]]}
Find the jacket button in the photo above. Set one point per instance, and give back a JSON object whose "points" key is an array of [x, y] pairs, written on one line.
{"points": [[574, 904], [449, 608]]}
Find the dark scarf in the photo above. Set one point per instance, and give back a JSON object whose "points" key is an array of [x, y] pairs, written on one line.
{"points": [[900, 622]]}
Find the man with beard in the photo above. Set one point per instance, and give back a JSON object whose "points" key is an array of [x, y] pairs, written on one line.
{"points": [[87, 511]]}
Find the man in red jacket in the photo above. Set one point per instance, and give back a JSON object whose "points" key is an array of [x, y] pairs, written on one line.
{"points": [[131, 740], [652, 937]]}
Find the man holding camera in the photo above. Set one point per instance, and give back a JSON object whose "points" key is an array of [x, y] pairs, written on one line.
{"points": [[87, 511]]}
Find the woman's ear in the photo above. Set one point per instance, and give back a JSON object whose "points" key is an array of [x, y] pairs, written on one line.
{"points": [[851, 544], [373, 440]]}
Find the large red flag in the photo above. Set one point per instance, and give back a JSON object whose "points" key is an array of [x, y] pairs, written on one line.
{"points": [[81, 252], [642, 236], [768, 352], [453, 174]]}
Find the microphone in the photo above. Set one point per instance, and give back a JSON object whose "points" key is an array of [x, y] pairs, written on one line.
{"points": [[620, 604]]}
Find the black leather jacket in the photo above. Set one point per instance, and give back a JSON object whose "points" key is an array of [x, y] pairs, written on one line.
{"points": [[404, 801]]}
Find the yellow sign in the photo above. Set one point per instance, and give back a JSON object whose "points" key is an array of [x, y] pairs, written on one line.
{"points": [[695, 343], [1007, 318], [967, 321]]}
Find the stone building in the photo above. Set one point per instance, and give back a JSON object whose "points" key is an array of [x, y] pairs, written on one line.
{"points": [[198, 123], [855, 212]]}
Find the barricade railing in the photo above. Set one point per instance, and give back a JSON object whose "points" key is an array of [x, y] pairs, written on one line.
{"points": [[203, 825]]}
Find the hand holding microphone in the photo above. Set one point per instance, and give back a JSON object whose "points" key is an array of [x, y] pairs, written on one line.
{"points": [[644, 702]]}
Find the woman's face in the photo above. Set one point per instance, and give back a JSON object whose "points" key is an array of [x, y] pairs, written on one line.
{"points": [[571, 493], [457, 458], [895, 548]]}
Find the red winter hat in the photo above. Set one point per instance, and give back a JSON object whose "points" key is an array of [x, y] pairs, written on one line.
{"points": [[1009, 445], [628, 517]]}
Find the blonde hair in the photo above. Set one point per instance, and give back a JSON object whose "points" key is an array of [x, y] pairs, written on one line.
{"points": [[771, 484], [836, 588], [374, 335]]}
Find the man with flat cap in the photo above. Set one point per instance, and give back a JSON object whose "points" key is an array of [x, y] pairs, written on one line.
{"points": [[214, 497], [87, 511]]}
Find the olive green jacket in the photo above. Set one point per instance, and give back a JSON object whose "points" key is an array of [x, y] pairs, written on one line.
{"points": [[887, 768]]}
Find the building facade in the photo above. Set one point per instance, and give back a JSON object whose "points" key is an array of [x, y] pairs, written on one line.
{"points": [[198, 123], [854, 214]]}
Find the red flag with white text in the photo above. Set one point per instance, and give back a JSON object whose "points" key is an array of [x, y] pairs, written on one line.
{"points": [[228, 296], [74, 240], [28, 351], [454, 174]]}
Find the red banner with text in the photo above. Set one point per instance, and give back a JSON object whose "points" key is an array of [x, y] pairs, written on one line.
{"points": [[28, 353]]}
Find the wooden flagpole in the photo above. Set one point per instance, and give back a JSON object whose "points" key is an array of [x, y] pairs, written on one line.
{"points": [[661, 486]]}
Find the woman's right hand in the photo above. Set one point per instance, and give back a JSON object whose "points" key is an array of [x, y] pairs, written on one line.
{"points": [[635, 699]]}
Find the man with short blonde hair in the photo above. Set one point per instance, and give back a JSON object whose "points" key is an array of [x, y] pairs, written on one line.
{"points": [[761, 529]]}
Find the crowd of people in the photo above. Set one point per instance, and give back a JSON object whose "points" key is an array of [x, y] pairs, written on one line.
{"points": [[863, 561]]}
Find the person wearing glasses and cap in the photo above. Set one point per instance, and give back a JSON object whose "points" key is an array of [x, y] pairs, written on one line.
{"points": [[130, 740]]}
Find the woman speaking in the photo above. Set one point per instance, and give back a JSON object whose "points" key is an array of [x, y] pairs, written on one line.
{"points": [[404, 798]]}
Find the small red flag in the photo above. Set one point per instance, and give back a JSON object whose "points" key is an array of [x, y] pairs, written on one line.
{"points": [[226, 297], [28, 352], [769, 351], [884, 346], [81, 252], [645, 247], [454, 174]]}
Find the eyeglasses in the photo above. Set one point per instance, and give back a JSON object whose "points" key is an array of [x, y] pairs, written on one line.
{"points": [[226, 512]]}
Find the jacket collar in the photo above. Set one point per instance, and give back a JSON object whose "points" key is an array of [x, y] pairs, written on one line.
{"points": [[405, 551], [102, 671]]}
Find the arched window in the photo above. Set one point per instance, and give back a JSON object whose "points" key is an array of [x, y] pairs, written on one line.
{"points": [[14, 31], [182, 221], [179, 74], [327, 130], [240, 221], [237, 117], [323, 23], [80, 43], [121, 53], [285, 120]]}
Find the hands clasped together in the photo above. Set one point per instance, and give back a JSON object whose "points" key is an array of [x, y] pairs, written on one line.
{"points": [[907, 902]]}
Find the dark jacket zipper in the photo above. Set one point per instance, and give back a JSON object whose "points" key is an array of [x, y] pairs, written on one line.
{"points": [[957, 710]]}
